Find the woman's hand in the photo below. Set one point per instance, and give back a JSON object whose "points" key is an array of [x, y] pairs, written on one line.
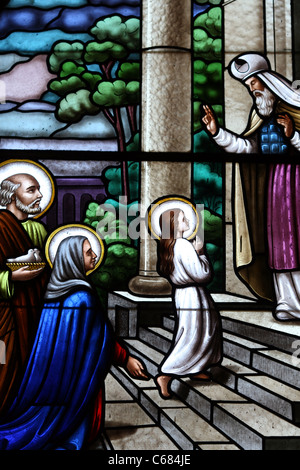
{"points": [[136, 368], [24, 274]]}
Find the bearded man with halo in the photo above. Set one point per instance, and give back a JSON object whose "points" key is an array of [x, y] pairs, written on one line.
{"points": [[27, 191]]}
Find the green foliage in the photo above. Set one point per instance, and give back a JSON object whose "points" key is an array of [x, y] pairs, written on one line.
{"points": [[111, 220], [208, 187], [110, 229], [91, 79], [211, 22], [207, 35], [134, 144], [121, 260], [215, 255], [66, 86], [113, 176], [212, 225], [116, 84], [76, 105], [91, 214], [206, 47], [208, 82], [119, 267], [65, 51], [96, 52], [129, 71], [208, 72], [70, 68], [116, 93], [114, 29]]}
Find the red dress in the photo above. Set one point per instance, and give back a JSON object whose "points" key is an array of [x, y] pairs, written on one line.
{"points": [[119, 358]]}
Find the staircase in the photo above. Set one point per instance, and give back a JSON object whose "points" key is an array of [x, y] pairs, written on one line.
{"points": [[253, 401]]}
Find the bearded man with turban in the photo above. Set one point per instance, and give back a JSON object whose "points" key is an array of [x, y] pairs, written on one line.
{"points": [[267, 196]]}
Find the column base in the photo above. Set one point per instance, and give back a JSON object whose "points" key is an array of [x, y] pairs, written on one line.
{"points": [[150, 285]]}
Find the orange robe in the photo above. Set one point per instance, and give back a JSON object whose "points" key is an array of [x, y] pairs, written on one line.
{"points": [[19, 315]]}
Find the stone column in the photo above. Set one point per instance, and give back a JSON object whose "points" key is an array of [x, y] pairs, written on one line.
{"points": [[166, 120], [244, 31], [279, 36]]}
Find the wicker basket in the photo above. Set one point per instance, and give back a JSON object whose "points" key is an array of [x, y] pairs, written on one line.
{"points": [[31, 266]]}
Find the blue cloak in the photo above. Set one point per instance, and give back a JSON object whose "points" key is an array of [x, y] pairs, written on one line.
{"points": [[66, 369]]}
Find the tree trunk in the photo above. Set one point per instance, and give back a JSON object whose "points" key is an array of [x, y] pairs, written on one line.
{"points": [[121, 148], [131, 112]]}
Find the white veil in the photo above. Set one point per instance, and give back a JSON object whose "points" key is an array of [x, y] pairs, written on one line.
{"points": [[68, 269]]}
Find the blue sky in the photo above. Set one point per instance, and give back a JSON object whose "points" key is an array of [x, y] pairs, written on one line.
{"points": [[45, 4], [67, 19], [28, 27]]}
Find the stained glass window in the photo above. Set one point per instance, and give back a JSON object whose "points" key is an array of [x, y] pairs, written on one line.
{"points": [[114, 110], [70, 75]]}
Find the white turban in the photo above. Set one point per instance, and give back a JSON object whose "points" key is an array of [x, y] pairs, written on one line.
{"points": [[246, 65]]}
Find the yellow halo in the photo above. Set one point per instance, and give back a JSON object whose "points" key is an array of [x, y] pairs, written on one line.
{"points": [[39, 172], [56, 237], [169, 203]]}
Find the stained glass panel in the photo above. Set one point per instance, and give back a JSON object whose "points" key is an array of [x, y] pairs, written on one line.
{"points": [[149, 227], [70, 75]]}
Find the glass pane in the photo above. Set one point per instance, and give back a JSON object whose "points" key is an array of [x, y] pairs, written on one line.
{"points": [[70, 75]]}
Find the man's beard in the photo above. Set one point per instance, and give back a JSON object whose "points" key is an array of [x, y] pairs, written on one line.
{"points": [[264, 101], [28, 209]]}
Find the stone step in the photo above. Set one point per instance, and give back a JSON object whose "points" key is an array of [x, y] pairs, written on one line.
{"points": [[256, 339], [261, 327], [272, 362], [272, 394], [178, 422], [258, 326], [231, 385], [274, 389], [127, 425], [254, 428]]}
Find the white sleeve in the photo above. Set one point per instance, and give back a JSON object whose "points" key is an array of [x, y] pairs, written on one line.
{"points": [[197, 267], [295, 140], [234, 144]]}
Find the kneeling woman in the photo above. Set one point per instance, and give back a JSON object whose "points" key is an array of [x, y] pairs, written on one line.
{"points": [[60, 402], [197, 345]]}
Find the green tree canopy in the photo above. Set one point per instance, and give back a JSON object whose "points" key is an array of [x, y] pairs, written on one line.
{"points": [[208, 80], [116, 93], [205, 46], [84, 90], [114, 29], [208, 70], [63, 51], [76, 105], [210, 21]]}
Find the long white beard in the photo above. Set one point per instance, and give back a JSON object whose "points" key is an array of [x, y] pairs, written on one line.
{"points": [[28, 209], [264, 101]]}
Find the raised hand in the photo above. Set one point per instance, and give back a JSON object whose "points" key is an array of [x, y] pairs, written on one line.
{"points": [[287, 123], [210, 120]]}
